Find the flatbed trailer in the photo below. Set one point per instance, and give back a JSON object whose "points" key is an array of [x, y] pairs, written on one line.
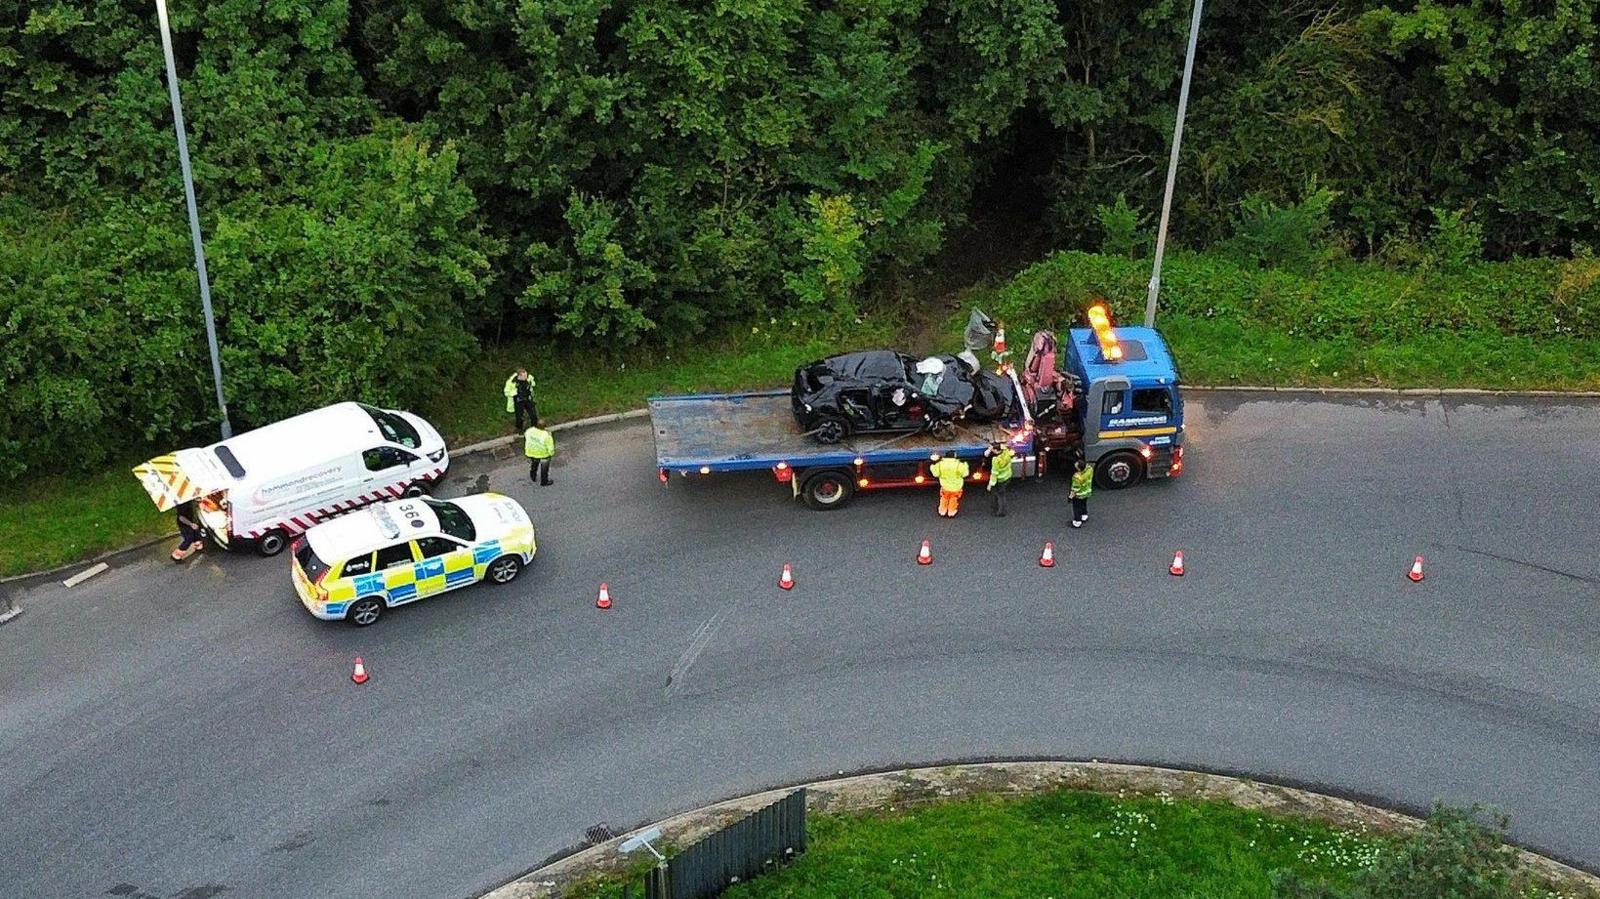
{"points": [[708, 433]]}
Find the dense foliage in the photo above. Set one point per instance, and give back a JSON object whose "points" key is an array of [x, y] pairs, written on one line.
{"points": [[382, 184]]}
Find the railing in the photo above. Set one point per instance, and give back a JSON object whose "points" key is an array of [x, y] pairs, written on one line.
{"points": [[757, 843]]}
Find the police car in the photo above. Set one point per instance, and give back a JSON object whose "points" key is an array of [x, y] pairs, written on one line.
{"points": [[356, 566]]}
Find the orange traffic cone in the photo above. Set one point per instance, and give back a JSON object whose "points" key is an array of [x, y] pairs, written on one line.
{"points": [[1000, 342], [925, 554], [604, 601], [360, 674], [1047, 559], [1177, 564], [1416, 570], [786, 580]]}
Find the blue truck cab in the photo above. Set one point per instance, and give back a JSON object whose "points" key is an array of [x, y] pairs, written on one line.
{"points": [[1130, 406]]}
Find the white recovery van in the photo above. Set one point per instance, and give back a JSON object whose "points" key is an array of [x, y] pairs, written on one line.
{"points": [[258, 489]]}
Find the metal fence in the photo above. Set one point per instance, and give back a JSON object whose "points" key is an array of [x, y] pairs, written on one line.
{"points": [[758, 843]]}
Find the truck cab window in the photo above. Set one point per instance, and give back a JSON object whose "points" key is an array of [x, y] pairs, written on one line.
{"points": [[382, 458], [1153, 401], [394, 556], [1112, 403]]}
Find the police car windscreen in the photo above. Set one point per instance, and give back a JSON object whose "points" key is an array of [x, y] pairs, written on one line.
{"points": [[395, 429], [452, 520]]}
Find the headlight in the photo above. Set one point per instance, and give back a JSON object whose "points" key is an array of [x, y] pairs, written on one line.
{"points": [[436, 456]]}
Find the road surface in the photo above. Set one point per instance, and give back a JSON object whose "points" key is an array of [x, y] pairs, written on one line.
{"points": [[181, 731]]}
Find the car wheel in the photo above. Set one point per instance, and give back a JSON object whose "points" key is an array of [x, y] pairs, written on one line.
{"points": [[272, 542], [827, 490], [1118, 470], [503, 570], [830, 429], [417, 488], [943, 429], [365, 611]]}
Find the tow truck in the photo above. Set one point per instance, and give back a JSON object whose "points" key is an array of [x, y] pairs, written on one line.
{"points": [[1115, 401]]}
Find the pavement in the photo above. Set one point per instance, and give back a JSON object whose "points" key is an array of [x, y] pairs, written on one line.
{"points": [[185, 731]]}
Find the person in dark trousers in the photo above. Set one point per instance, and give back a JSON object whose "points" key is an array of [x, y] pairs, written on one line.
{"points": [[539, 446], [1082, 486], [519, 399], [1002, 458], [189, 532]]}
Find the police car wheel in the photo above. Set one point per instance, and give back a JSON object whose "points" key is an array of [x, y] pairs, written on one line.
{"points": [[272, 542], [1118, 470], [365, 611], [503, 570]]}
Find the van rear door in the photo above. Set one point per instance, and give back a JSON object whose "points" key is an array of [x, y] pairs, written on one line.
{"points": [[173, 479]]}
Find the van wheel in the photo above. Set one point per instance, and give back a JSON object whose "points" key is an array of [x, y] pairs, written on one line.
{"points": [[503, 570], [417, 488], [365, 611], [1118, 470], [272, 542], [828, 490]]}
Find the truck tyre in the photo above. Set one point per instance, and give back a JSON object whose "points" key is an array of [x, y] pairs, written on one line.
{"points": [[1118, 470], [828, 490], [272, 542], [830, 429], [365, 611]]}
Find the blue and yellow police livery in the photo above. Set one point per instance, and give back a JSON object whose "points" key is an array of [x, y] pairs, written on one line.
{"points": [[356, 566]]}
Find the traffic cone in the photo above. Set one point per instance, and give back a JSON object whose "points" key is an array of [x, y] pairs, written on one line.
{"points": [[1000, 342], [1047, 559], [1416, 570], [925, 554], [786, 580], [1177, 564], [604, 601], [360, 674]]}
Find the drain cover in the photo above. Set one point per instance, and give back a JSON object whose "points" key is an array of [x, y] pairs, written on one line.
{"points": [[598, 833]]}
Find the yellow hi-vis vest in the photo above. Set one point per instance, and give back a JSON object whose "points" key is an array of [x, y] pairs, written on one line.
{"points": [[951, 472], [511, 391], [538, 443]]}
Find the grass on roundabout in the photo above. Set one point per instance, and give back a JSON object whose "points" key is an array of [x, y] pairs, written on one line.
{"points": [[1066, 844]]}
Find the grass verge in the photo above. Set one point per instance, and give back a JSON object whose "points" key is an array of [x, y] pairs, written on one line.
{"points": [[58, 519], [1065, 844], [1522, 326]]}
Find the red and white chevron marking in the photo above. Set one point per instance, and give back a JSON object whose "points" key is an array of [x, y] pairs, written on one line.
{"points": [[300, 523]]}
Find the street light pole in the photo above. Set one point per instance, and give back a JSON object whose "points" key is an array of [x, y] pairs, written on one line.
{"points": [[194, 215], [1172, 168]]}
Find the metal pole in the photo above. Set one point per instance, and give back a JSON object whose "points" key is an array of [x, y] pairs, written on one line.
{"points": [[194, 216], [1172, 168]]}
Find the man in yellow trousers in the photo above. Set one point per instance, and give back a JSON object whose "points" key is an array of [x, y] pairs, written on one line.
{"points": [[952, 474]]}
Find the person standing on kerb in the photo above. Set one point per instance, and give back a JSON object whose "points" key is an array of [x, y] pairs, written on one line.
{"points": [[519, 399]]}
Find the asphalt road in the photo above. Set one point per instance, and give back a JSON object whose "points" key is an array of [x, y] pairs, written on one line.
{"points": [[173, 731]]}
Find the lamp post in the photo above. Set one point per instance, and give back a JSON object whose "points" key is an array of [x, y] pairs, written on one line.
{"points": [[1172, 168], [194, 215]]}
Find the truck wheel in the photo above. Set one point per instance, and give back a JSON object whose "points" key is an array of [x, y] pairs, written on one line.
{"points": [[827, 490], [1118, 470], [272, 542], [830, 429], [365, 611]]}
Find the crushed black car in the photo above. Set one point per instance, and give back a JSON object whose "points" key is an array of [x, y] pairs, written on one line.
{"points": [[885, 391]]}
